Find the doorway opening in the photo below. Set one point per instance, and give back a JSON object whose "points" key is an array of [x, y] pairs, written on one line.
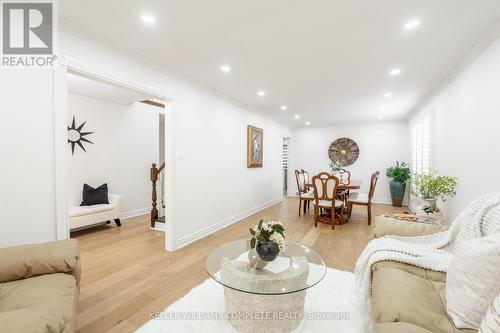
{"points": [[114, 136], [157, 215], [162, 205]]}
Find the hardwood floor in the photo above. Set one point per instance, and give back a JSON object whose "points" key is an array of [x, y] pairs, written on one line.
{"points": [[126, 274]]}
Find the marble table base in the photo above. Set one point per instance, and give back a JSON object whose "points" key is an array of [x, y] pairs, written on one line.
{"points": [[252, 313], [265, 311]]}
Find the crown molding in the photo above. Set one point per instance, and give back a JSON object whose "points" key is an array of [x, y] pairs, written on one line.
{"points": [[491, 34]]}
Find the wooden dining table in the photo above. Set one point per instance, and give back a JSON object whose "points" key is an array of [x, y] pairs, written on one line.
{"points": [[352, 185]]}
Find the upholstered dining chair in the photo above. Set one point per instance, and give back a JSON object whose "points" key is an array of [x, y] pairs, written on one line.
{"points": [[345, 177], [363, 199], [325, 198], [306, 180], [305, 195]]}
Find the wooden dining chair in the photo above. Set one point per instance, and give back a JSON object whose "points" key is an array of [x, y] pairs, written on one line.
{"points": [[363, 199], [307, 180], [305, 195], [345, 177], [325, 198], [343, 194]]}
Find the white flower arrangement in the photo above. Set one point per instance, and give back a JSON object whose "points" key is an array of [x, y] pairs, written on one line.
{"points": [[271, 231]]}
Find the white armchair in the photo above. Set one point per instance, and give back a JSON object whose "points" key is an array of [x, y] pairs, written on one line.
{"points": [[81, 217]]}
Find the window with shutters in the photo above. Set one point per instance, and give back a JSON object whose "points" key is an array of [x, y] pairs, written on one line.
{"points": [[421, 145], [285, 156]]}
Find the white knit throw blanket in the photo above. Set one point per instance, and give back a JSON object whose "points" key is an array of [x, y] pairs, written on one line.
{"points": [[479, 219]]}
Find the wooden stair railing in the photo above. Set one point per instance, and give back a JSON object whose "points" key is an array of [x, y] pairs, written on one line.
{"points": [[154, 172]]}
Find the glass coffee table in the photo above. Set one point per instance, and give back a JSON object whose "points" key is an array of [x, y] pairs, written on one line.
{"points": [[263, 296]]}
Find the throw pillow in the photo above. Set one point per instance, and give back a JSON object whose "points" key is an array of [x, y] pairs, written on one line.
{"points": [[472, 280], [491, 321], [94, 196]]}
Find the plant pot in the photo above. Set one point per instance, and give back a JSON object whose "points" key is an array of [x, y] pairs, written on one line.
{"points": [[267, 251], [397, 192], [432, 203]]}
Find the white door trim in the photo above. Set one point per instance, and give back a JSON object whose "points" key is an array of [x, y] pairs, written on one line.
{"points": [[67, 65], [61, 165]]}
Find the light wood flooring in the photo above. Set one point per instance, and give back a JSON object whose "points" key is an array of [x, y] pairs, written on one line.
{"points": [[127, 274]]}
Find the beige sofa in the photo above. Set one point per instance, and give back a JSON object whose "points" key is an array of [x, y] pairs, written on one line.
{"points": [[406, 298], [39, 287]]}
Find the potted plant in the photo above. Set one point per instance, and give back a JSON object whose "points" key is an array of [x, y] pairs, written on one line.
{"points": [[268, 239], [400, 174], [431, 187]]}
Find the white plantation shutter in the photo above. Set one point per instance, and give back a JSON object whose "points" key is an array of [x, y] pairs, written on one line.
{"points": [[285, 156], [426, 142], [421, 145]]}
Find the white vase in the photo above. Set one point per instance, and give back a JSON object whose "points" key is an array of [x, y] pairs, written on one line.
{"points": [[432, 203], [255, 261]]}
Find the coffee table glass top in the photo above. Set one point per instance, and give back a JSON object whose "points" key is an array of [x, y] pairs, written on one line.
{"points": [[234, 266]]}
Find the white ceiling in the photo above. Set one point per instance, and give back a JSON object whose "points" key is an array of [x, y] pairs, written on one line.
{"points": [[327, 60]]}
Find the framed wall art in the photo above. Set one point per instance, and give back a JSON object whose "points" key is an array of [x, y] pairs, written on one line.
{"points": [[255, 145]]}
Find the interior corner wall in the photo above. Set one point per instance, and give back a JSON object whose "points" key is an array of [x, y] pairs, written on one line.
{"points": [[466, 129], [212, 184], [125, 143], [380, 146], [27, 178]]}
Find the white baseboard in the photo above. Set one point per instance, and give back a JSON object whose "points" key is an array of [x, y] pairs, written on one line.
{"points": [[159, 226], [183, 241], [388, 201], [384, 201], [135, 212]]}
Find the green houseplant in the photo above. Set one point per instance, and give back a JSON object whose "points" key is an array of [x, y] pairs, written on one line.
{"points": [[400, 174], [431, 186]]}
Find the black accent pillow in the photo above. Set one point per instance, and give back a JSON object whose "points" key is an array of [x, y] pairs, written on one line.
{"points": [[94, 196]]}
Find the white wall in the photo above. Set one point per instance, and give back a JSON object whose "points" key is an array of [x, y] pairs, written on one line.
{"points": [[466, 129], [126, 142], [215, 185], [212, 184], [380, 145], [27, 198]]}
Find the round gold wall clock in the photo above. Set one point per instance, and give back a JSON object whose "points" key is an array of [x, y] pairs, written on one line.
{"points": [[343, 151]]}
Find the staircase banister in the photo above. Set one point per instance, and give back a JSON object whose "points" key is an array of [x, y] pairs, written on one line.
{"points": [[154, 172], [162, 166]]}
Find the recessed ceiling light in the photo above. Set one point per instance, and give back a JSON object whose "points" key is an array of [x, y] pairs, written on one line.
{"points": [[410, 25], [283, 107], [380, 117], [388, 94], [261, 93], [225, 69], [308, 123], [296, 116], [148, 19], [395, 72]]}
